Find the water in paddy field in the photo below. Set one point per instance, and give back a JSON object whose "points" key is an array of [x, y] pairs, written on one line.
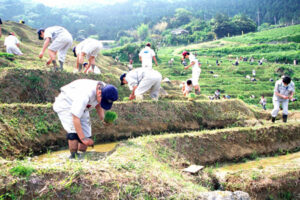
{"points": [[99, 151], [285, 162]]}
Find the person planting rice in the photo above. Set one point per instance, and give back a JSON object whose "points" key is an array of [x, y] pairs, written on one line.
{"points": [[61, 40], [73, 105], [187, 87], [195, 69], [88, 48], [140, 81], [12, 44], [283, 92]]}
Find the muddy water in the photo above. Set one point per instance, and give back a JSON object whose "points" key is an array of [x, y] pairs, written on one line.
{"points": [[99, 149], [286, 161]]}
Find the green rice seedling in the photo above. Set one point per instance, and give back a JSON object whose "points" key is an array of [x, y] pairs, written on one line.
{"points": [[110, 117]]}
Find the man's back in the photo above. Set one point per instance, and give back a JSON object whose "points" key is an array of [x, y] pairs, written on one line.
{"points": [[147, 54], [11, 40]]}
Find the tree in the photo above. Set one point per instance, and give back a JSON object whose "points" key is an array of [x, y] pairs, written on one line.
{"points": [[182, 16], [143, 31]]}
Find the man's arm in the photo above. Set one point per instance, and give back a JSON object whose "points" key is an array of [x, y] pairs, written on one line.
{"points": [[78, 128], [140, 58], [46, 44], [100, 112], [132, 95], [192, 63], [281, 96], [154, 58]]}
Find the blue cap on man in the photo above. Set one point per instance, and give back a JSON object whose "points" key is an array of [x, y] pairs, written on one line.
{"points": [[109, 95]]}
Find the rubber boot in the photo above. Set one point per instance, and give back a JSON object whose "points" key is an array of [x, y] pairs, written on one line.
{"points": [[284, 118], [273, 119]]}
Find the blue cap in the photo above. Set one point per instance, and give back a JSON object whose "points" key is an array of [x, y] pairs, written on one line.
{"points": [[109, 95], [122, 77]]}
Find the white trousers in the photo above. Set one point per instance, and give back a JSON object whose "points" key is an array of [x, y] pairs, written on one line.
{"points": [[61, 45], [151, 82], [276, 104], [14, 50], [63, 109], [195, 77]]}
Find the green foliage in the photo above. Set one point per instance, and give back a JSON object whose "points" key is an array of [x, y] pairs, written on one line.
{"points": [[110, 117], [143, 31], [8, 56], [192, 95], [21, 170]]}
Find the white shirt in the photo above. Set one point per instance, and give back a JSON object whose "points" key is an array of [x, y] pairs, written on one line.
{"points": [[11, 41], [134, 77], [188, 88], [79, 96], [195, 67], [54, 31], [147, 54], [283, 90], [89, 42]]}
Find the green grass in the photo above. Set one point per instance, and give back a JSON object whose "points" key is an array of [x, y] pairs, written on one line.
{"points": [[21, 170]]}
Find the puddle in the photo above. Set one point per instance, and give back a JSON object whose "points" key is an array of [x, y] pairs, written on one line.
{"points": [[99, 151], [264, 163]]}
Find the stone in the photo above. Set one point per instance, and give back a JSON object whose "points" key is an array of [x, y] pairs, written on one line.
{"points": [[225, 195], [193, 169]]}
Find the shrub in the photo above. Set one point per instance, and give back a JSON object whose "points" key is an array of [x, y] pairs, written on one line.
{"points": [[21, 170]]}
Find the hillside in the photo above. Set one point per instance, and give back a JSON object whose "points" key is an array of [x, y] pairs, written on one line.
{"points": [[281, 44], [242, 153]]}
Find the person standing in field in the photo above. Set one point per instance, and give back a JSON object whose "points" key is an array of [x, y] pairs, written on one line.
{"points": [[146, 55], [263, 102], [73, 104], [195, 70], [61, 40], [283, 92], [88, 48], [141, 80], [12, 44]]}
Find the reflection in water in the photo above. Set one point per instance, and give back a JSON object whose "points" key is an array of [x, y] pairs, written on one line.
{"points": [[98, 152]]}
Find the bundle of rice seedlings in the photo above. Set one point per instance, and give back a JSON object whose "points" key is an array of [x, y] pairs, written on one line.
{"points": [[110, 117]]}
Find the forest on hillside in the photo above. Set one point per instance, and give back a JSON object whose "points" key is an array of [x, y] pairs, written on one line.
{"points": [[110, 21]]}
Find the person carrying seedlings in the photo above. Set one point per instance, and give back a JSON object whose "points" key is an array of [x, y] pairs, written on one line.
{"points": [[12, 44], [263, 102], [195, 70], [73, 104], [187, 87], [61, 40], [146, 55], [88, 48], [283, 92], [140, 80]]}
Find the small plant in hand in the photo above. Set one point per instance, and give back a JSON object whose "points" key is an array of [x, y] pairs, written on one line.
{"points": [[126, 99], [110, 117]]}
